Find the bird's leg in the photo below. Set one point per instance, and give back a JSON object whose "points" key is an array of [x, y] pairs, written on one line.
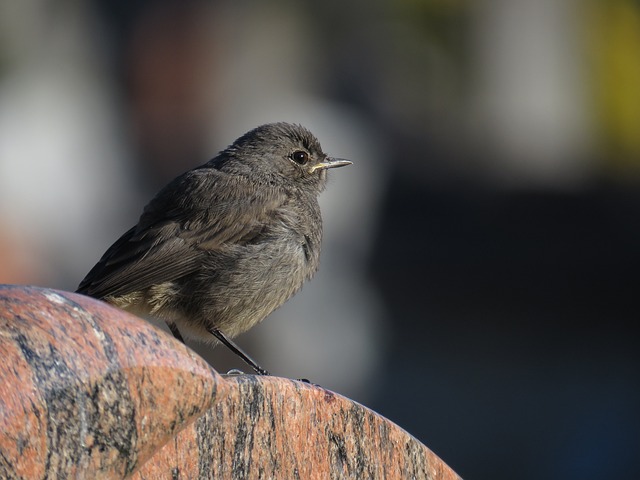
{"points": [[237, 350], [174, 330]]}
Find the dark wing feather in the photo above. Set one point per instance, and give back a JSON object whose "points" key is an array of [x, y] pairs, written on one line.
{"points": [[190, 218], [134, 264]]}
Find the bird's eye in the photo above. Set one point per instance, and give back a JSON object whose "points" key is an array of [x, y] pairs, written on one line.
{"points": [[300, 157]]}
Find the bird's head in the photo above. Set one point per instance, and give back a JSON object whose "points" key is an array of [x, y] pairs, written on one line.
{"points": [[280, 152]]}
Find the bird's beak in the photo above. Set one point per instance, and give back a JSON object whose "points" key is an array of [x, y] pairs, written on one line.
{"points": [[330, 163]]}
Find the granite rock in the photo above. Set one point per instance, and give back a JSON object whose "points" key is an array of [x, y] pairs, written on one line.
{"points": [[90, 391]]}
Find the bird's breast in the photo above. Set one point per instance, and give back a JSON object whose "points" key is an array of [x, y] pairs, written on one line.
{"points": [[241, 285]]}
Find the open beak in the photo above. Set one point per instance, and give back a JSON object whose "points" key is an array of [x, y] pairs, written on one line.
{"points": [[330, 163]]}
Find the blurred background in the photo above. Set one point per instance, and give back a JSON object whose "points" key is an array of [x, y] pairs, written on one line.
{"points": [[479, 279]]}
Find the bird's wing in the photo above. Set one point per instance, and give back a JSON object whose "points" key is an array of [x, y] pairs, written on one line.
{"points": [[180, 227]]}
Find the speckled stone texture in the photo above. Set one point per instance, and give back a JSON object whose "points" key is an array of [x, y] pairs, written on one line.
{"points": [[89, 391], [268, 427]]}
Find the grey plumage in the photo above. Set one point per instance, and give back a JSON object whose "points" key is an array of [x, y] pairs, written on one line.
{"points": [[225, 244]]}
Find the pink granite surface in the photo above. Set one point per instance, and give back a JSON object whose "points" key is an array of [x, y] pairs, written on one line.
{"points": [[89, 391]]}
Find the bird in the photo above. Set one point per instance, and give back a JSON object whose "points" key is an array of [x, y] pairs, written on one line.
{"points": [[226, 243]]}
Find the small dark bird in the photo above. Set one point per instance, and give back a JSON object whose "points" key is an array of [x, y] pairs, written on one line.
{"points": [[223, 245]]}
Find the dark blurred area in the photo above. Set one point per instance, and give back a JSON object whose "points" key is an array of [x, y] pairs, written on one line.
{"points": [[479, 276]]}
